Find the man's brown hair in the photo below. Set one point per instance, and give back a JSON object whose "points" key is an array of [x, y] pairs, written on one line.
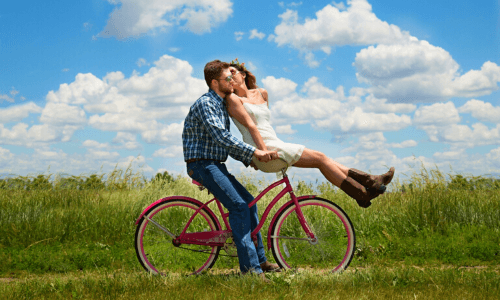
{"points": [[213, 70]]}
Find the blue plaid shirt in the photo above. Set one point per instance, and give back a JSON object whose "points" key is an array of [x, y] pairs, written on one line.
{"points": [[206, 132]]}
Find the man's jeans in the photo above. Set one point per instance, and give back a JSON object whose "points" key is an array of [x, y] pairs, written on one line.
{"points": [[215, 177]]}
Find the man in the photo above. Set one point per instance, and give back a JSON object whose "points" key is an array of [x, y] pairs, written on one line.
{"points": [[207, 142]]}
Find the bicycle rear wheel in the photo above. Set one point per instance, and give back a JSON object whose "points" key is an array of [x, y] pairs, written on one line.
{"points": [[154, 247], [334, 248]]}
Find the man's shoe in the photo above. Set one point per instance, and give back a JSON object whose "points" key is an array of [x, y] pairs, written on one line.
{"points": [[269, 267]]}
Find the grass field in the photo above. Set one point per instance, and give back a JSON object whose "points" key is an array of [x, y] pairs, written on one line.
{"points": [[434, 236]]}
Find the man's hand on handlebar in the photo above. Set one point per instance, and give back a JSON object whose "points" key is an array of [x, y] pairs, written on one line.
{"points": [[265, 156]]}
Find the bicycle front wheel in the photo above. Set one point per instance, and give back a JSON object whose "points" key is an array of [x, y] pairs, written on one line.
{"points": [[155, 248], [335, 241]]}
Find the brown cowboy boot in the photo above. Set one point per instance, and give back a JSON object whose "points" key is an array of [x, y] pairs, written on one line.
{"points": [[375, 183], [269, 267], [358, 192]]}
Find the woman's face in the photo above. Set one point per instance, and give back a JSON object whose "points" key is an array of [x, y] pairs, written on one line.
{"points": [[237, 76]]}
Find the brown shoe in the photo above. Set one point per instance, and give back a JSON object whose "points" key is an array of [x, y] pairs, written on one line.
{"points": [[387, 177], [372, 182], [358, 192], [270, 267]]}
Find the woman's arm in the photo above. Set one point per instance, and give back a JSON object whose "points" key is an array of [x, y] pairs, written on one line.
{"points": [[237, 111]]}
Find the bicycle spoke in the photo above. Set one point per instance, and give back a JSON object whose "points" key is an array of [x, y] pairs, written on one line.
{"points": [[334, 244], [154, 242]]}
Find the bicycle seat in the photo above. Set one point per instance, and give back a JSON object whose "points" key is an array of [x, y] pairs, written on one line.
{"points": [[272, 166]]}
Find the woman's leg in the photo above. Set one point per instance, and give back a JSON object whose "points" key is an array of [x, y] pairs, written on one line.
{"points": [[337, 174], [333, 171]]}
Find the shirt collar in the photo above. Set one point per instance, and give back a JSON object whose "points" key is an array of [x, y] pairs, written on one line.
{"points": [[216, 96]]}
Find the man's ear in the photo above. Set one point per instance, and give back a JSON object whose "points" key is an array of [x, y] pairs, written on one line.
{"points": [[215, 84]]}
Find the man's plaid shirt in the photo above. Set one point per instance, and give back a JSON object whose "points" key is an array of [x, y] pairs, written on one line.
{"points": [[206, 132]]}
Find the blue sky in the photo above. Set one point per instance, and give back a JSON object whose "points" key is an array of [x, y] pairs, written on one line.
{"points": [[88, 85]]}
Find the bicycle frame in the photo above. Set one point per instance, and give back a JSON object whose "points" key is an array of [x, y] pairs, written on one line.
{"points": [[218, 238]]}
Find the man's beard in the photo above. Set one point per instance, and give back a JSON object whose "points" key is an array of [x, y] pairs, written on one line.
{"points": [[226, 90]]}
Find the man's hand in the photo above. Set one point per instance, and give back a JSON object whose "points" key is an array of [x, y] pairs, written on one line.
{"points": [[265, 156]]}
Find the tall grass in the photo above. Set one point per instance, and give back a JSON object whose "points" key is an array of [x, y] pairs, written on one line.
{"points": [[421, 221]]}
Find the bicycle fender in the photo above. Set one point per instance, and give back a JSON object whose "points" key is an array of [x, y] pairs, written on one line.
{"points": [[179, 198], [279, 212]]}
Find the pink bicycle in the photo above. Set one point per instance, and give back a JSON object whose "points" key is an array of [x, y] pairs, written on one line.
{"points": [[179, 233]]}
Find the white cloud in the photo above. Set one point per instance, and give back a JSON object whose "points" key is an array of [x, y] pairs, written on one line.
{"points": [[250, 66], [132, 104], [357, 25], [163, 134], [14, 92], [417, 71], [483, 111], [18, 112], [463, 136], [340, 5], [254, 34], [404, 144], [326, 109], [6, 98], [285, 129], [373, 104], [172, 151], [439, 114], [238, 35], [134, 18], [95, 144], [20, 135], [63, 114], [142, 62]]}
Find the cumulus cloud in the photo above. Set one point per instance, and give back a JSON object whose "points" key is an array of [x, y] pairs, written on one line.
{"points": [[134, 104], [63, 114], [326, 109], [483, 111], [357, 25], [439, 114], [18, 112], [417, 71], [21, 135], [134, 18], [441, 123]]}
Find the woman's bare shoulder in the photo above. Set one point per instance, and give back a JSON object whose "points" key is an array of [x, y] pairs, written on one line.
{"points": [[264, 93], [233, 99]]}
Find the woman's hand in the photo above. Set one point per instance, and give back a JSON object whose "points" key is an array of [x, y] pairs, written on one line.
{"points": [[265, 156]]}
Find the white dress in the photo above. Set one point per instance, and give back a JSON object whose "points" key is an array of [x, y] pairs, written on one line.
{"points": [[288, 152]]}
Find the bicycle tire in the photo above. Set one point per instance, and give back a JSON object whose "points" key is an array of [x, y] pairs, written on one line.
{"points": [[154, 248], [336, 239]]}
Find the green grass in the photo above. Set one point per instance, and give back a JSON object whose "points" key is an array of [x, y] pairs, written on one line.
{"points": [[61, 242], [399, 282]]}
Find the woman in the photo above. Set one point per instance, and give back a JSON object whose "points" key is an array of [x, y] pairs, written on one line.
{"points": [[248, 107]]}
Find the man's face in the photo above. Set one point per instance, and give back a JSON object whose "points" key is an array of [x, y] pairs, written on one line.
{"points": [[225, 87]]}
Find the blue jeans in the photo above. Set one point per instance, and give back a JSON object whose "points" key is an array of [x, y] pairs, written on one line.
{"points": [[216, 178]]}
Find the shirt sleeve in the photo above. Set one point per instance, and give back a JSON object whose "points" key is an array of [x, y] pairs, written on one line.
{"points": [[213, 123]]}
